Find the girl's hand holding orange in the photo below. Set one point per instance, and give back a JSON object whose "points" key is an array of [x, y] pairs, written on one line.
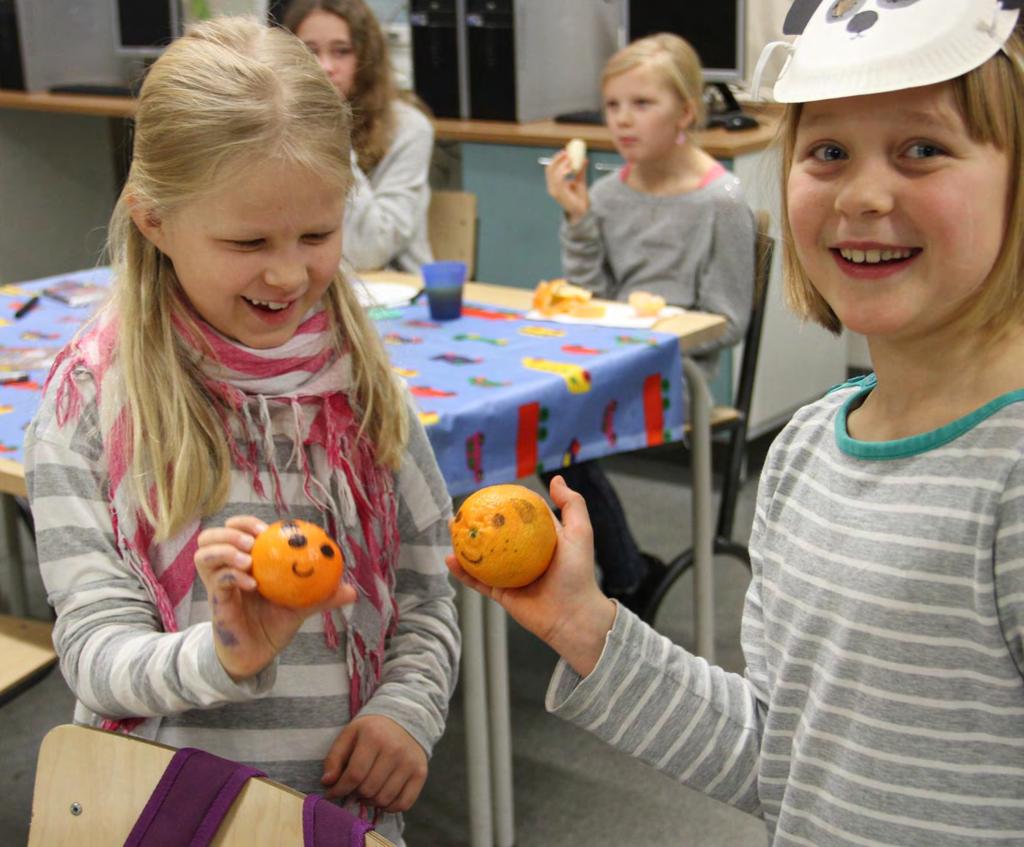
{"points": [[568, 187], [249, 630], [564, 607]]}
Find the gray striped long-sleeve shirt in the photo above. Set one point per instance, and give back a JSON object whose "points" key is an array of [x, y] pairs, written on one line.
{"points": [[883, 701], [118, 661]]}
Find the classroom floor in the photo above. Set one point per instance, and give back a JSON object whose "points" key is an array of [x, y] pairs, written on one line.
{"points": [[569, 787]]}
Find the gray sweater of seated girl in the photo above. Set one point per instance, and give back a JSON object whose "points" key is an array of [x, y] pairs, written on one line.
{"points": [[696, 250]]}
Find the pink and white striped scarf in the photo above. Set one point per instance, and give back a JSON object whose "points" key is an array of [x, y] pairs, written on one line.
{"points": [[299, 391]]}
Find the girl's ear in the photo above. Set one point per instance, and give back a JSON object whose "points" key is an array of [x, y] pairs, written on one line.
{"points": [[687, 116], [147, 220]]}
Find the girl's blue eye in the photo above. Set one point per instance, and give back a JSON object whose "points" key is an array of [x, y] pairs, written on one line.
{"points": [[248, 245], [828, 153], [923, 150], [317, 236]]}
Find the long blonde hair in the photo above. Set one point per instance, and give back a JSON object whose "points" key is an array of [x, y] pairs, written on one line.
{"points": [[673, 58], [991, 101], [229, 93], [374, 91]]}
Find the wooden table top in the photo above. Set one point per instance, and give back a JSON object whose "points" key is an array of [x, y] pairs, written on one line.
{"points": [[692, 328]]}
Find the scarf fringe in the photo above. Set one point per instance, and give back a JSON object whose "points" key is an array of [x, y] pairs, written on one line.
{"points": [[364, 491]]}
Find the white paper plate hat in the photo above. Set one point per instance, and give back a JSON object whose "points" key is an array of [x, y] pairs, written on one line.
{"points": [[845, 48]]}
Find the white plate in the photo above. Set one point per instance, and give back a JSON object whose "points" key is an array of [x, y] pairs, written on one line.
{"points": [[616, 314], [388, 294]]}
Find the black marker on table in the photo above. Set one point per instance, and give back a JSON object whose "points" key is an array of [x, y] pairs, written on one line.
{"points": [[27, 307]]}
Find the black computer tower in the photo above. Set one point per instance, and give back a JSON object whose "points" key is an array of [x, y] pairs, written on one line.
{"points": [[491, 51], [530, 60], [435, 27], [12, 71]]}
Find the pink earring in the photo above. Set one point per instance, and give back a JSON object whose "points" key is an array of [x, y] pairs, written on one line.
{"points": [[681, 138]]}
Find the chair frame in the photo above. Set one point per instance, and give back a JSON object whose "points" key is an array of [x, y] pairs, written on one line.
{"points": [[735, 420], [452, 227]]}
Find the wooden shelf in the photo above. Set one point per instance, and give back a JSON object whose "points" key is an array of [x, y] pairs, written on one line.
{"points": [[72, 104], [718, 142]]}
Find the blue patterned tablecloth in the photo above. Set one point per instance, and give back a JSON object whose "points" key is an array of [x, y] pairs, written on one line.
{"points": [[501, 396]]}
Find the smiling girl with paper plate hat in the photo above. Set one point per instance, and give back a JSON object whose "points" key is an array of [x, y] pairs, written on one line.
{"points": [[883, 696]]}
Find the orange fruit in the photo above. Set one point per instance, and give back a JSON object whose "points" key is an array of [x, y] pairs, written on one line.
{"points": [[296, 564], [504, 535]]}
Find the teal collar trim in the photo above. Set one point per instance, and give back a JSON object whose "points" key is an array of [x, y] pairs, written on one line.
{"points": [[901, 448]]}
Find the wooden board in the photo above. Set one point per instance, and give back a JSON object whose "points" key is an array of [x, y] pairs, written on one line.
{"points": [[71, 758], [26, 649], [546, 133]]}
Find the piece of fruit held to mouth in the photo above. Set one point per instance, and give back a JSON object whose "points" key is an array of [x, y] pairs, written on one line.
{"points": [[576, 149], [296, 564]]}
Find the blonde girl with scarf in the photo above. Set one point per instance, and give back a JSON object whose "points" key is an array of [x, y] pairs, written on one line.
{"points": [[233, 380]]}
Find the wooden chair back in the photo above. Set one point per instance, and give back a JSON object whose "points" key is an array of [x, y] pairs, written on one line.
{"points": [[91, 786], [451, 227]]}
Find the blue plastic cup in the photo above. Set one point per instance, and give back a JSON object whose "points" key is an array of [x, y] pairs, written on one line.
{"points": [[443, 282]]}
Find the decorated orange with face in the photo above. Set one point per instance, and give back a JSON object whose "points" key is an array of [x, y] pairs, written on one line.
{"points": [[296, 564], [504, 535]]}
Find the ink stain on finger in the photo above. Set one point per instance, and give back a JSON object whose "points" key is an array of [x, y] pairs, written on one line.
{"points": [[225, 635]]}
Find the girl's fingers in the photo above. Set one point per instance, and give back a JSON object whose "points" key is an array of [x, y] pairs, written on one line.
{"points": [[410, 792], [248, 524], [345, 595], [212, 556], [387, 793], [338, 756], [354, 771], [228, 580], [375, 779], [462, 576]]}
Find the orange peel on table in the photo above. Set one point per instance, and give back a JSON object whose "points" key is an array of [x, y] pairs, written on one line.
{"points": [[560, 297], [645, 304], [504, 535]]}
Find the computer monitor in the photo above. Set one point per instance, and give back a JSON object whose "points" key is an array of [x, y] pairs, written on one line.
{"points": [[716, 30], [143, 28]]}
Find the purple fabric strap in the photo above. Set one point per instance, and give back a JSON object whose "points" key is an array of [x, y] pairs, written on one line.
{"points": [[190, 800], [325, 824]]}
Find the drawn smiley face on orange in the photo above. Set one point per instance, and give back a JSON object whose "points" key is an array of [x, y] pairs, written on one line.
{"points": [[504, 535], [296, 564]]}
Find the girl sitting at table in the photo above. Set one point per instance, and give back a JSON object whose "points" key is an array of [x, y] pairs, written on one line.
{"points": [[234, 380], [672, 222], [386, 213]]}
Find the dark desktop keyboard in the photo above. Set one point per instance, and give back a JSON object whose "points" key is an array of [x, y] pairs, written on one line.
{"points": [[586, 116], [95, 89]]}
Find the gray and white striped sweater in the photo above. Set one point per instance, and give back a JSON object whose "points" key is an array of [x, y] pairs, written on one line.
{"points": [[119, 663], [883, 700]]}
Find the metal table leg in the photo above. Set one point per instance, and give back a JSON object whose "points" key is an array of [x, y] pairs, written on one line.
{"points": [[703, 523], [474, 698], [500, 724]]}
